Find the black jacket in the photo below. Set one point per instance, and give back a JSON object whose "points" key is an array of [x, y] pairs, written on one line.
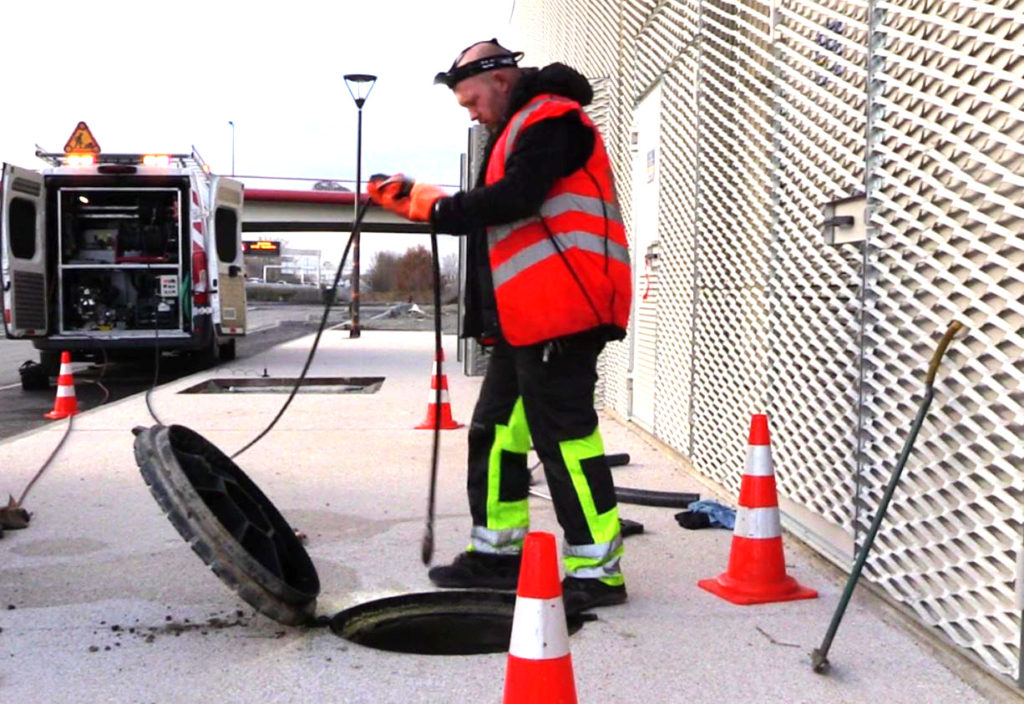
{"points": [[545, 152]]}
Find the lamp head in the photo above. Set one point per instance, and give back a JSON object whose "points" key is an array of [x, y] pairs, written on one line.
{"points": [[359, 86]]}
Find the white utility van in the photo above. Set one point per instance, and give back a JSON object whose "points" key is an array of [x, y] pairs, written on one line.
{"points": [[114, 255]]}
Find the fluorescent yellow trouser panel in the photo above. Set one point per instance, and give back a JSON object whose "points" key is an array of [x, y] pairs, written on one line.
{"points": [[601, 559], [507, 521]]}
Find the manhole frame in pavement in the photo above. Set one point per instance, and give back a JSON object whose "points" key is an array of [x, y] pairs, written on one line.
{"points": [[282, 582], [284, 385]]}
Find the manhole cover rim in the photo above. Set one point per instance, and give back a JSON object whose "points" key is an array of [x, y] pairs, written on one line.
{"points": [[207, 536]]}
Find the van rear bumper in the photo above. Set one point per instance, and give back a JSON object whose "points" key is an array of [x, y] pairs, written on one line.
{"points": [[167, 340]]}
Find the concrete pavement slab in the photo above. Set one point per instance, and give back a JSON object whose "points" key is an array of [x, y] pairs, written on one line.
{"points": [[107, 603]]}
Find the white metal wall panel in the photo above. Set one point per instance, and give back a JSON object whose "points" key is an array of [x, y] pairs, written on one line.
{"points": [[947, 92], [820, 53], [733, 234], [769, 111]]}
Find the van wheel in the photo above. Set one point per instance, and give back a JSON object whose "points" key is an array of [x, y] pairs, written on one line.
{"points": [[227, 351]]}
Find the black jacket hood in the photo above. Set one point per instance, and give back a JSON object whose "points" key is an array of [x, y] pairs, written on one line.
{"points": [[558, 79]]}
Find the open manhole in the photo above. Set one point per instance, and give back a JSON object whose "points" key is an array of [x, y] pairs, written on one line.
{"points": [[284, 385], [435, 623], [243, 538]]}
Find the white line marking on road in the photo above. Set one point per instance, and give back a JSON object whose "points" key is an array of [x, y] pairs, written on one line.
{"points": [[9, 386]]}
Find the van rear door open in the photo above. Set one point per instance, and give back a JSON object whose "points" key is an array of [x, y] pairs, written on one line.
{"points": [[23, 274], [227, 240]]}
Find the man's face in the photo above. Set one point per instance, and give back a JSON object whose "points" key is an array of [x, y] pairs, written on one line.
{"points": [[483, 97]]}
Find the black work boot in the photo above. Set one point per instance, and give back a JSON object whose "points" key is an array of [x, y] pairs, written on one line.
{"points": [[584, 594], [478, 569]]}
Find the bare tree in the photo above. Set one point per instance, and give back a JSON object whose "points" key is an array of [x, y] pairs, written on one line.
{"points": [[383, 272], [450, 270], [415, 270]]}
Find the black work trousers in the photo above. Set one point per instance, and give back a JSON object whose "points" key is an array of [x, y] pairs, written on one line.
{"points": [[543, 392]]}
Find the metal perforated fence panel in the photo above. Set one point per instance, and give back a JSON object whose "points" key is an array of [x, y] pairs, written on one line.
{"points": [[946, 178], [818, 155], [769, 110]]}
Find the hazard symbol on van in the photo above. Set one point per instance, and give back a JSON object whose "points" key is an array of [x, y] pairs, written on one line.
{"points": [[82, 141]]}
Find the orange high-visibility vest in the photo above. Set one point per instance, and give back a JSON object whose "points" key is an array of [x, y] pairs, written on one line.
{"points": [[566, 269]]}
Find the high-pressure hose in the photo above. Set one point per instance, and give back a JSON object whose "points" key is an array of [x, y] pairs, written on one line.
{"points": [[427, 552], [356, 226]]}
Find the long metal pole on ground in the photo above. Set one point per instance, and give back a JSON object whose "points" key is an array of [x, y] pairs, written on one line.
{"points": [[354, 330], [819, 656]]}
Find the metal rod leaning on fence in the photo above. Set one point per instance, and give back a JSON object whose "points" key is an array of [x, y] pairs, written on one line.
{"points": [[819, 656]]}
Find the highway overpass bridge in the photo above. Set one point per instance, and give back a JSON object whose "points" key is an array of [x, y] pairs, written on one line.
{"points": [[273, 210]]}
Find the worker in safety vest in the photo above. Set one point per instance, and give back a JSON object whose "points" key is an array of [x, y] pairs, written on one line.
{"points": [[548, 285]]}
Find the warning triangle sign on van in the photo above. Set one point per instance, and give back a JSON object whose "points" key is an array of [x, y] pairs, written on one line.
{"points": [[81, 141]]}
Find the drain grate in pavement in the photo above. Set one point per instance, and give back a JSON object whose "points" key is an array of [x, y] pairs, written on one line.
{"points": [[284, 385]]}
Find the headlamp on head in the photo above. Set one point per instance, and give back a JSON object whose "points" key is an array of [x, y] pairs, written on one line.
{"points": [[457, 73]]}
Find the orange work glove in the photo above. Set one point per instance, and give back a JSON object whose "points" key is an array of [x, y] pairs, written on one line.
{"points": [[403, 196]]}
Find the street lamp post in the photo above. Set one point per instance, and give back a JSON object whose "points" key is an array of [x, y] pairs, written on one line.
{"points": [[359, 86], [232, 123]]}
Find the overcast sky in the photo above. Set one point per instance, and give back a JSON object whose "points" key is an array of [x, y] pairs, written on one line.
{"points": [[161, 77]]}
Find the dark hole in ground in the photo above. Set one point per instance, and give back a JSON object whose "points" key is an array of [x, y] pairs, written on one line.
{"points": [[284, 385], [434, 623]]}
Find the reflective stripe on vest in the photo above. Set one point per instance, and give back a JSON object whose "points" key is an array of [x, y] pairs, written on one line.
{"points": [[517, 121], [540, 251], [560, 205]]}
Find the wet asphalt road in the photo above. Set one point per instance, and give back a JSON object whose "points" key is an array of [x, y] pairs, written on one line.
{"points": [[21, 411]]}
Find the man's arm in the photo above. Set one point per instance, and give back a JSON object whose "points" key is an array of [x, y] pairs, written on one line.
{"points": [[544, 153]]}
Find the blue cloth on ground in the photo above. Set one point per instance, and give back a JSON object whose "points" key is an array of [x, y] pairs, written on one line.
{"points": [[721, 516]]}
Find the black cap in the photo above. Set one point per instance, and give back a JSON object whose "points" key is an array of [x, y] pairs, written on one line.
{"points": [[489, 63]]}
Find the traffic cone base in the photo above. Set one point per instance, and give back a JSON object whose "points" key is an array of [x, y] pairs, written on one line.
{"points": [[744, 593], [447, 422], [534, 681], [66, 404]]}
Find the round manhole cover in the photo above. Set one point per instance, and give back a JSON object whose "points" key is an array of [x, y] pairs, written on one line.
{"points": [[229, 522]]}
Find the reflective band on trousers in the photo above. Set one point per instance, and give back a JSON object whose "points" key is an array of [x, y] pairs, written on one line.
{"points": [[498, 542], [538, 629], [608, 571], [596, 561], [759, 461], [757, 523], [543, 249], [596, 551]]}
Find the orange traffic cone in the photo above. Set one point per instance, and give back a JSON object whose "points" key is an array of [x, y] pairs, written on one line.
{"points": [[539, 669], [447, 422], [66, 403], [757, 568]]}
